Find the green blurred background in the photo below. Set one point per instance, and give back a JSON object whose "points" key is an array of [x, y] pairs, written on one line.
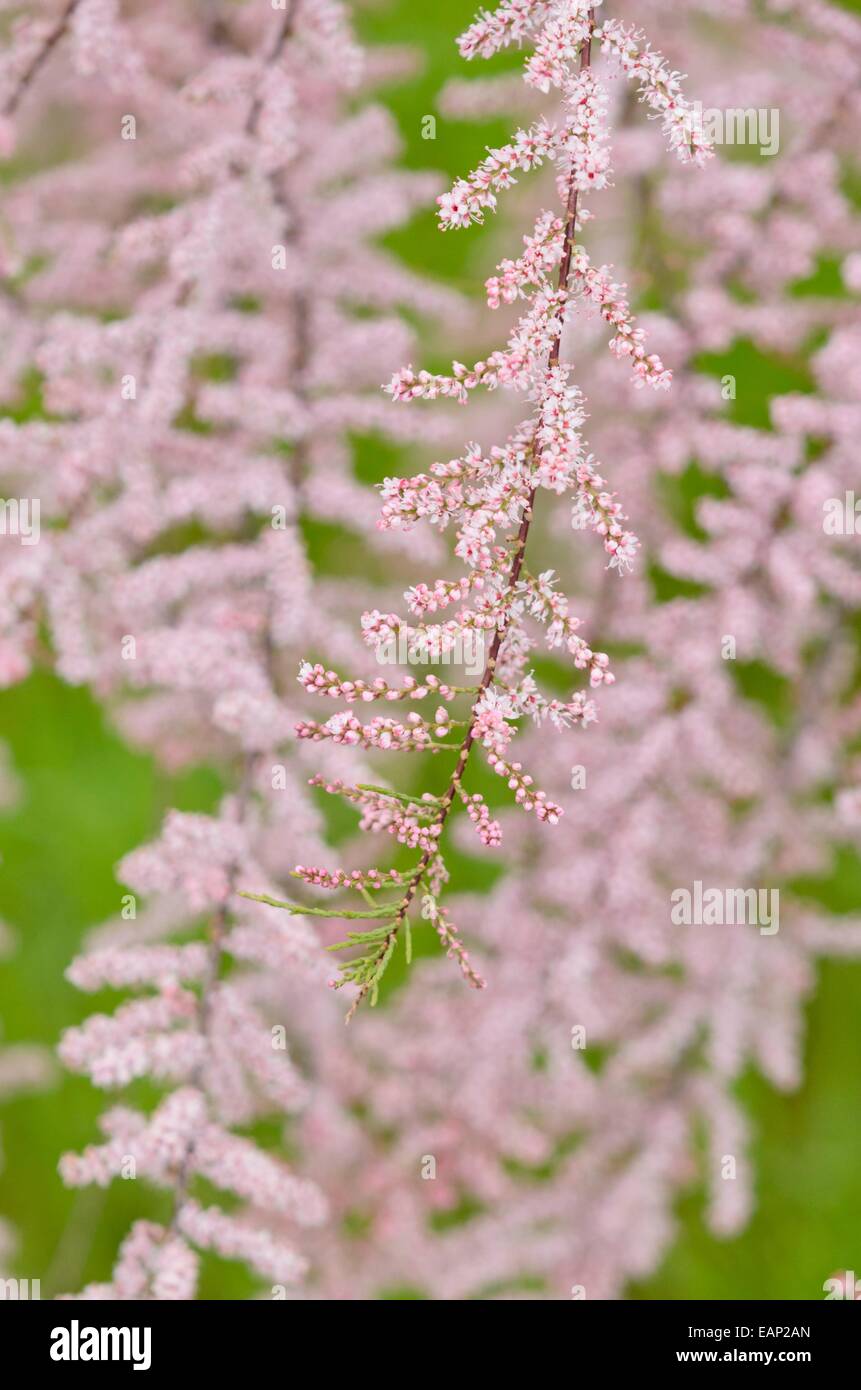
{"points": [[85, 800]]}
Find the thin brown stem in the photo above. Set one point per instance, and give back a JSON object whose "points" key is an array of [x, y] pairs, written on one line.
{"points": [[40, 57], [282, 34]]}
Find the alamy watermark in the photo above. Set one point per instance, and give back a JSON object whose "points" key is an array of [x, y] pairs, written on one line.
{"points": [[841, 516], [20, 516], [713, 907], [737, 125], [435, 648], [845, 1285], [20, 1290], [77, 1343]]}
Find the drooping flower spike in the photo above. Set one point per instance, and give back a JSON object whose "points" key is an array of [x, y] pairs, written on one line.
{"points": [[490, 500]]}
